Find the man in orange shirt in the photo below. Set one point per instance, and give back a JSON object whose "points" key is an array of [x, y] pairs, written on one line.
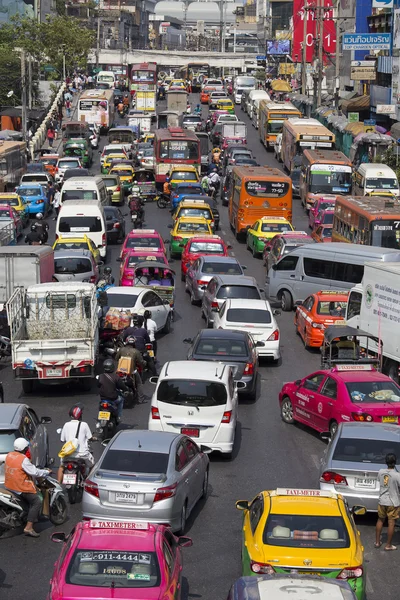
{"points": [[19, 474]]}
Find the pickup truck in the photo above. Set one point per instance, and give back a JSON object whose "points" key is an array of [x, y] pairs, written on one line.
{"points": [[54, 333]]}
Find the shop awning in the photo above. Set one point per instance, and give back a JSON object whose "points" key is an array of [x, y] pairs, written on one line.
{"points": [[356, 104]]}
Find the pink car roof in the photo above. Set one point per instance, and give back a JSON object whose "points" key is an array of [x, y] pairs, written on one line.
{"points": [[351, 376], [109, 539]]}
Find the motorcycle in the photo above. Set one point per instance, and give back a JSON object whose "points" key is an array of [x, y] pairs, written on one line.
{"points": [[73, 478], [14, 511], [5, 346], [137, 211], [107, 422], [148, 357], [162, 201]]}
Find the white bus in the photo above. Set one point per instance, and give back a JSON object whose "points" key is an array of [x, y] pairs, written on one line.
{"points": [[106, 77], [97, 107]]}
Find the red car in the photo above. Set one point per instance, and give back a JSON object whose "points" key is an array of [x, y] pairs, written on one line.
{"points": [[348, 392], [116, 559], [201, 246], [143, 238], [7, 212]]}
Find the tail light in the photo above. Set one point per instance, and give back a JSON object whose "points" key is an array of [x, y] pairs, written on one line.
{"points": [[226, 418], [118, 188], [149, 346], [105, 405], [39, 202], [362, 417], [249, 369], [177, 238], [92, 279], [201, 282], [56, 169], [274, 337], [214, 304], [103, 239], [165, 492], [351, 573], [70, 466], [332, 477], [92, 488], [155, 413], [117, 225], [56, 236], [261, 568]]}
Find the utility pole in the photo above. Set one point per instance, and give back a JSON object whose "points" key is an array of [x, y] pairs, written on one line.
{"points": [[98, 41], [304, 50], [23, 95], [221, 25], [337, 57], [29, 81], [321, 18]]}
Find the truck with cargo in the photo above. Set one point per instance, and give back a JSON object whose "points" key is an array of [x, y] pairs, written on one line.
{"points": [[8, 233], [24, 266], [374, 307], [54, 333]]}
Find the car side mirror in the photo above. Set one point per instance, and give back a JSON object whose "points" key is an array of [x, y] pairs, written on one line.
{"points": [[275, 312], [166, 301], [205, 449], [274, 267], [325, 436], [229, 246], [240, 385], [298, 303], [45, 420], [58, 537], [187, 340], [359, 510], [242, 505], [119, 259], [244, 267], [106, 442], [215, 308], [260, 344], [153, 380], [297, 382]]}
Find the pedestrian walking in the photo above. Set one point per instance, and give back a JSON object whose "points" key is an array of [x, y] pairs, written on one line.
{"points": [[389, 501], [51, 135], [68, 106], [57, 202]]}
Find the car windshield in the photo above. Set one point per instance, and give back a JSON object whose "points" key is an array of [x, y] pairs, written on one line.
{"points": [[185, 227], [206, 247], [81, 223], [195, 212], [221, 347], [184, 176], [248, 315], [72, 265], [373, 392], [30, 191], [275, 227], [192, 392], [68, 164], [183, 190], [135, 461], [79, 195], [305, 531], [327, 218], [221, 268], [114, 569], [238, 291], [7, 439], [383, 183], [333, 308], [121, 300], [364, 450], [5, 212], [143, 242]]}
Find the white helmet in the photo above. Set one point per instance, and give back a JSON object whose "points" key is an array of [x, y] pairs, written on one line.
{"points": [[39, 216], [21, 444]]}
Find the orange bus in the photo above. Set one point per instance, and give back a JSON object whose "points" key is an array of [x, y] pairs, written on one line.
{"points": [[257, 192], [300, 134], [174, 147], [368, 220], [324, 172]]}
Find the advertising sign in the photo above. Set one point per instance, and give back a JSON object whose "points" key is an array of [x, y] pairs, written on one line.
{"points": [[385, 109], [382, 3], [366, 41], [353, 117], [363, 70], [329, 31]]}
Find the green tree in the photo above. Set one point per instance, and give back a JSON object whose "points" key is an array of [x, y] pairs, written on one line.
{"points": [[67, 36], [10, 76]]}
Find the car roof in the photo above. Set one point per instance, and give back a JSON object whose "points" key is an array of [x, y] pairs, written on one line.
{"points": [[370, 431], [123, 289], [140, 232], [231, 334], [326, 295], [248, 303], [351, 376], [188, 184], [10, 415], [177, 369], [303, 505], [82, 252], [220, 259], [148, 441], [237, 279], [115, 539], [191, 220]]}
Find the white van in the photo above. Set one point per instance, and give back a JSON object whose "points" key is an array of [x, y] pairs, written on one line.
{"points": [[83, 217], [106, 77], [255, 95], [313, 267], [85, 188], [375, 177]]}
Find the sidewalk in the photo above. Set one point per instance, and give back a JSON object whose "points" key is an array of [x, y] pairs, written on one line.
{"points": [[57, 145]]}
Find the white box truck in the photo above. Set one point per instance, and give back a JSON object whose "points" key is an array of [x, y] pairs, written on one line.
{"points": [[374, 307], [24, 266], [54, 333]]}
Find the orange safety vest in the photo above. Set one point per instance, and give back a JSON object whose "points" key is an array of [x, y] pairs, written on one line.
{"points": [[15, 477]]}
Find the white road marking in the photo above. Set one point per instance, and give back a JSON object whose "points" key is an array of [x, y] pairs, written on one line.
{"points": [[232, 254], [370, 589], [223, 232], [315, 460]]}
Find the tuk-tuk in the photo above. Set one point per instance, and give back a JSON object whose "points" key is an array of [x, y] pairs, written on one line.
{"points": [[123, 135], [159, 276], [79, 148], [144, 184], [177, 101], [141, 120], [75, 130], [344, 345], [167, 118]]}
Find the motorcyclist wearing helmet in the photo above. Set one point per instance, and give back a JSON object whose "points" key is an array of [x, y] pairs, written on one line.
{"points": [[19, 479], [130, 351], [107, 275], [138, 332], [42, 228], [34, 238], [125, 101], [151, 327], [167, 186], [111, 386], [76, 428], [197, 110]]}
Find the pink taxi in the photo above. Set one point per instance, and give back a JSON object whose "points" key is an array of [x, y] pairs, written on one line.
{"points": [[143, 238], [321, 203], [132, 259], [115, 559], [348, 392]]}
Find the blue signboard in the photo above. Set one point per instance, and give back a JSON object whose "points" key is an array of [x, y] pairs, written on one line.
{"points": [[366, 41], [369, 122], [261, 57]]}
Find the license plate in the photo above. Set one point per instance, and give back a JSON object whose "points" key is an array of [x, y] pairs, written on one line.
{"points": [[54, 372], [308, 572], [390, 419], [151, 353], [190, 431], [125, 497], [365, 482], [104, 415], [69, 478]]}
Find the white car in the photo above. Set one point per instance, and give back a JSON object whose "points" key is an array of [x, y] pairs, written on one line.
{"points": [[257, 318], [237, 94], [66, 163], [198, 399], [136, 300]]}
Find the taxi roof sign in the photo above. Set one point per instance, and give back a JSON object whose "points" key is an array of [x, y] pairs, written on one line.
{"points": [[146, 249], [118, 525], [305, 492], [143, 231], [271, 218], [334, 292], [354, 367]]}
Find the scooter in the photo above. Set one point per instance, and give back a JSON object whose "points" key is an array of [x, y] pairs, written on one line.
{"points": [[137, 212], [107, 422], [75, 473], [14, 511]]}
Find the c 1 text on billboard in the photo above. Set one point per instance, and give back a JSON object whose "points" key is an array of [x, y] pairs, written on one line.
{"points": [[366, 41]]}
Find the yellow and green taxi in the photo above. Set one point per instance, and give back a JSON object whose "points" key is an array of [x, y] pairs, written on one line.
{"points": [[194, 208], [125, 173], [106, 165], [303, 531], [18, 205], [264, 230], [184, 229], [114, 188], [226, 104], [183, 174], [77, 242]]}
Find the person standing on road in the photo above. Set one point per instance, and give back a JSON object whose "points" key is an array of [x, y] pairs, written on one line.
{"points": [[151, 327], [51, 135], [389, 501], [57, 202]]}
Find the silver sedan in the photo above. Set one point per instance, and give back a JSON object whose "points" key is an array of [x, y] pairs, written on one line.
{"points": [[150, 476], [203, 270]]}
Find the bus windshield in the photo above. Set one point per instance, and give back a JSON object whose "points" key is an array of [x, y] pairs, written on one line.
{"points": [[179, 149], [336, 178], [383, 183], [386, 233]]}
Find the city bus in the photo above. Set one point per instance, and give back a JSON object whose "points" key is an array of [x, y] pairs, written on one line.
{"points": [[324, 172], [143, 77], [256, 192], [270, 120], [12, 164], [173, 147], [367, 220], [97, 107], [196, 73], [300, 134]]}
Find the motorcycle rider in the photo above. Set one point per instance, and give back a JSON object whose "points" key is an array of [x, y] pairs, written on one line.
{"points": [[111, 387], [167, 186], [151, 327], [130, 351], [76, 428], [42, 228], [19, 479], [34, 238], [214, 182], [142, 338], [126, 101]]}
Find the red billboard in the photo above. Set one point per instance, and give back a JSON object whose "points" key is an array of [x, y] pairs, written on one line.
{"points": [[329, 30]]}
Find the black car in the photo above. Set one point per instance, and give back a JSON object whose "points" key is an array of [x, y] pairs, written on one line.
{"points": [[75, 173], [115, 225], [235, 348]]}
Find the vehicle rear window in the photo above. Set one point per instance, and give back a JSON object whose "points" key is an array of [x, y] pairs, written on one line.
{"points": [[191, 393], [34, 177], [79, 195], [373, 392], [135, 461], [143, 242], [238, 291], [333, 308], [5, 212], [72, 246], [9, 201], [184, 227], [195, 212], [123, 172], [49, 161], [72, 265], [222, 347], [68, 224], [206, 247], [327, 219], [182, 190], [221, 268], [275, 227], [30, 191], [184, 176], [305, 531], [110, 182], [192, 119], [68, 164], [364, 450], [248, 315], [114, 569], [7, 439]]}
